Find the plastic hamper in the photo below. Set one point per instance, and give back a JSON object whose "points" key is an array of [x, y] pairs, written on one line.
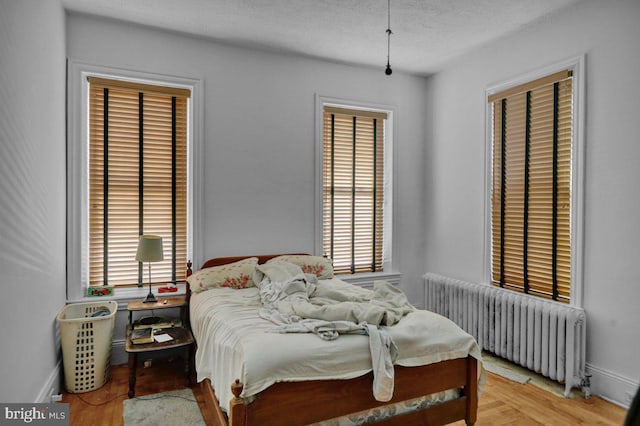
{"points": [[86, 344]]}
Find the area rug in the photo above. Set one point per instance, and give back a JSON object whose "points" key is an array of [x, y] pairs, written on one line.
{"points": [[516, 373], [177, 407], [503, 369], [507, 373]]}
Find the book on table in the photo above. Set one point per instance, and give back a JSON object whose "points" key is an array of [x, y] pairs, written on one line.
{"points": [[149, 334], [156, 322], [141, 336]]}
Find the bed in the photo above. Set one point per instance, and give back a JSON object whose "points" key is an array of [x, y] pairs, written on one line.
{"points": [[429, 390]]}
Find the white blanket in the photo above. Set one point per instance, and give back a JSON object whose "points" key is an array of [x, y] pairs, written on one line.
{"points": [[235, 343], [292, 301], [289, 295]]}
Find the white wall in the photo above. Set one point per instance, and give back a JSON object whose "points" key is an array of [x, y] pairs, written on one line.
{"points": [[32, 195], [607, 32], [259, 146]]}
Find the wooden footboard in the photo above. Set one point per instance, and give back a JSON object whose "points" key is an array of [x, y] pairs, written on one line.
{"points": [[301, 403]]}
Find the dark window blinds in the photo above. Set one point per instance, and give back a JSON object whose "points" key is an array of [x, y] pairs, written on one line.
{"points": [[531, 187], [353, 188], [137, 179]]}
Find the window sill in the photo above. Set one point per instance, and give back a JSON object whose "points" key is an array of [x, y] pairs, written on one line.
{"points": [[127, 294], [366, 279]]}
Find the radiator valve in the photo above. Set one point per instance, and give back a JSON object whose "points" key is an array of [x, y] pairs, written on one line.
{"points": [[586, 386]]}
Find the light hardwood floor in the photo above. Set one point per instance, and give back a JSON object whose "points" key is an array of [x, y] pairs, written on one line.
{"points": [[502, 403]]}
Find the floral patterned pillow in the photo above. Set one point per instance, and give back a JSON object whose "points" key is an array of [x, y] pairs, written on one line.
{"points": [[319, 266], [234, 275]]}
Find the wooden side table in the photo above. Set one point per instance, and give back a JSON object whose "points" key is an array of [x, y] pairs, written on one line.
{"points": [[182, 337]]}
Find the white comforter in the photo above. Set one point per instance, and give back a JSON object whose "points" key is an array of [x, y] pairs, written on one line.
{"points": [[295, 302], [235, 343], [289, 296]]}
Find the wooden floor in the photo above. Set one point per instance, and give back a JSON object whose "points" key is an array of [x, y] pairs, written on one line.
{"points": [[103, 407], [502, 403]]}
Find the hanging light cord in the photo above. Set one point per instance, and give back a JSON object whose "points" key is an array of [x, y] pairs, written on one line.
{"points": [[388, 70]]}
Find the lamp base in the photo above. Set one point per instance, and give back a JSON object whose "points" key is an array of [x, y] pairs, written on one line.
{"points": [[150, 298]]}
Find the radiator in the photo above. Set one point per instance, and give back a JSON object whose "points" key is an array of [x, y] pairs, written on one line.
{"points": [[544, 336]]}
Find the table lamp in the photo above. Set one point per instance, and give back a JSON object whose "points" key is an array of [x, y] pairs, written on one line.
{"points": [[150, 250]]}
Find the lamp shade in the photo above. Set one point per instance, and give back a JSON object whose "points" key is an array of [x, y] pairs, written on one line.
{"points": [[150, 249]]}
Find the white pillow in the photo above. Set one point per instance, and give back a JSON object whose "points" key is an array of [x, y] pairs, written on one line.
{"points": [[234, 275], [319, 266]]}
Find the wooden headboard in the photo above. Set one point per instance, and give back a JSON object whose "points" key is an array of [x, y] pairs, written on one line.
{"points": [[217, 261]]}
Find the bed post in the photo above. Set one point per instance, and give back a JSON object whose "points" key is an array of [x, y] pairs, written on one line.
{"points": [[188, 287], [471, 391], [187, 297], [237, 408]]}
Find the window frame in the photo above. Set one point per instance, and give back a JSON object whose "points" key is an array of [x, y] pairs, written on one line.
{"points": [[77, 168], [389, 266], [576, 65]]}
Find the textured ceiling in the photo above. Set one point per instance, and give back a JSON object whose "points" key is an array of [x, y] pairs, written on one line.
{"points": [[426, 33]]}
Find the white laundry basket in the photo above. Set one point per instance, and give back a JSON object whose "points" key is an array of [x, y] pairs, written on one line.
{"points": [[86, 344]]}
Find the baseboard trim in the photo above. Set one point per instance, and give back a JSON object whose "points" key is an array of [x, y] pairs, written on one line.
{"points": [[611, 386], [51, 385]]}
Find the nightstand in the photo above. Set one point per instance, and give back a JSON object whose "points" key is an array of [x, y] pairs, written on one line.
{"points": [[181, 336]]}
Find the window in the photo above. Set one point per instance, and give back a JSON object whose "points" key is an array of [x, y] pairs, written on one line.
{"points": [[137, 159], [532, 184], [353, 188]]}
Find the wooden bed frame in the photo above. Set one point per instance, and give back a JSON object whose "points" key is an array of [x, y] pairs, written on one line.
{"points": [[301, 403]]}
